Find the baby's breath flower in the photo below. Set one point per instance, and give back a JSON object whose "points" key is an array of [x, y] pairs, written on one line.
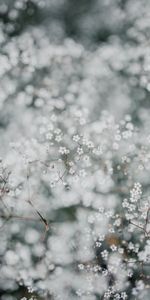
{"points": [[76, 138], [79, 150], [136, 192], [49, 136], [104, 254], [113, 248], [64, 150], [58, 138]]}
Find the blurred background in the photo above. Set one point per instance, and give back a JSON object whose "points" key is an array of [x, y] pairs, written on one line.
{"points": [[69, 69]]}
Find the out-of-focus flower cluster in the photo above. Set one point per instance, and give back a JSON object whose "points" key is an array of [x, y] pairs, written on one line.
{"points": [[75, 150], [76, 184]]}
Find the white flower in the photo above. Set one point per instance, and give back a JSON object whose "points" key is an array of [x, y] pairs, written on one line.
{"points": [[79, 150], [104, 254], [136, 192], [71, 171], [64, 150], [76, 138], [58, 138], [113, 248], [49, 136]]}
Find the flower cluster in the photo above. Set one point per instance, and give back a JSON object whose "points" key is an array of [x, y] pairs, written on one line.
{"points": [[75, 150]]}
